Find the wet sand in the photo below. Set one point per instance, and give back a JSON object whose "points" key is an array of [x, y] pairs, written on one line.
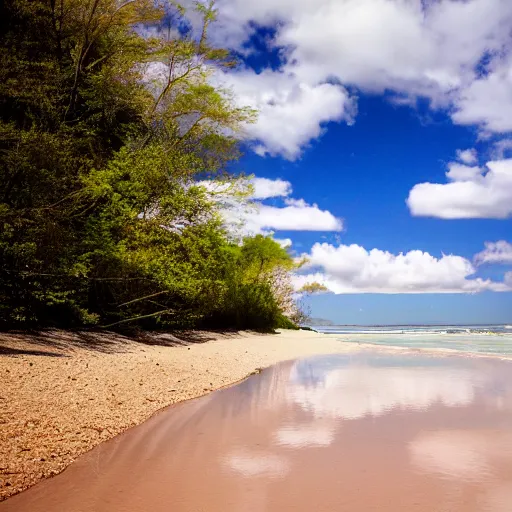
{"points": [[62, 393], [366, 432]]}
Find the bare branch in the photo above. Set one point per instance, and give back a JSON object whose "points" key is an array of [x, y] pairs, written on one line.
{"points": [[143, 298], [135, 318]]}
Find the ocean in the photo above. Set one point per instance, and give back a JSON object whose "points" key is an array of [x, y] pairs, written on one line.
{"points": [[478, 339]]}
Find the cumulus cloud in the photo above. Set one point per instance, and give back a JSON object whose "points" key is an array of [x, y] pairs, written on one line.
{"points": [[353, 269], [265, 188], [502, 149], [291, 112], [296, 215], [262, 188], [252, 216], [467, 156], [456, 53], [472, 192], [409, 46], [284, 242], [495, 252], [487, 101], [461, 172]]}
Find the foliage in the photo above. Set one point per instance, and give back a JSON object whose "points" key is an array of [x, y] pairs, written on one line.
{"points": [[283, 322], [108, 119], [312, 288]]}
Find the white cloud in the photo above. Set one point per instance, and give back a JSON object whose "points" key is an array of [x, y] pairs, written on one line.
{"points": [[467, 156], [410, 48], [353, 269], [297, 215], [495, 252], [461, 172], [487, 101], [472, 193], [502, 149], [378, 44], [252, 216], [284, 242], [291, 111], [265, 188], [262, 188]]}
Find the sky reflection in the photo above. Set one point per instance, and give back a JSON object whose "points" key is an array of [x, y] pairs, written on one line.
{"points": [[360, 390]]}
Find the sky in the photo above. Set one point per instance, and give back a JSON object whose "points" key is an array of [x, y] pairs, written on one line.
{"points": [[382, 151]]}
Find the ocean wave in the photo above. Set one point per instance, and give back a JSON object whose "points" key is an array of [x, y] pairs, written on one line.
{"points": [[416, 330]]}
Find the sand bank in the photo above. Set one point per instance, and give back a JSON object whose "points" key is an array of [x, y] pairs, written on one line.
{"points": [[61, 394]]}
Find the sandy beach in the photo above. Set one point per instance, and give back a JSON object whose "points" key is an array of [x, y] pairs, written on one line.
{"points": [[63, 393], [374, 431]]}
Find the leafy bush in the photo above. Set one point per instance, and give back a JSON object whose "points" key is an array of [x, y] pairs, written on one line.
{"points": [[284, 322]]}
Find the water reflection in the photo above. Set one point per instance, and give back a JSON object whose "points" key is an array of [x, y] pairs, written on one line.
{"points": [[257, 464], [469, 456], [359, 390], [454, 454], [460, 453], [302, 436], [365, 434]]}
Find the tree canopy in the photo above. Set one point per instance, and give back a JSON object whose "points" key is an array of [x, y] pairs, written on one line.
{"points": [[108, 122]]}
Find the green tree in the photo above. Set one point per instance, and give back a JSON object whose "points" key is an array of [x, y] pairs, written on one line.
{"points": [[104, 133]]}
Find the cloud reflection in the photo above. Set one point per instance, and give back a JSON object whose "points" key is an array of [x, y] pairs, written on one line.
{"points": [[357, 391], [257, 464], [455, 454], [303, 436], [460, 454]]}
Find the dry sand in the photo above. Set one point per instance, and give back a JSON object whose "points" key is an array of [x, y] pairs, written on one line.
{"points": [[63, 393]]}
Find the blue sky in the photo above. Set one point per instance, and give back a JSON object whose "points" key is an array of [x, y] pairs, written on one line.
{"points": [[384, 135], [363, 174]]}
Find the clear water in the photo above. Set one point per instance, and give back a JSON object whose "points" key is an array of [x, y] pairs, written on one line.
{"points": [[478, 339]]}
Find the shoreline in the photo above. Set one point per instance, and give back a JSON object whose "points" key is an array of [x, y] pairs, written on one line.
{"points": [[377, 347], [64, 393], [309, 424]]}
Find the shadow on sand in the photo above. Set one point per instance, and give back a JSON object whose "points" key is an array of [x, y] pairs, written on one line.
{"points": [[55, 343]]}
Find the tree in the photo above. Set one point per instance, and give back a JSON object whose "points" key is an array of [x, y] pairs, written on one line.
{"points": [[108, 119]]}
